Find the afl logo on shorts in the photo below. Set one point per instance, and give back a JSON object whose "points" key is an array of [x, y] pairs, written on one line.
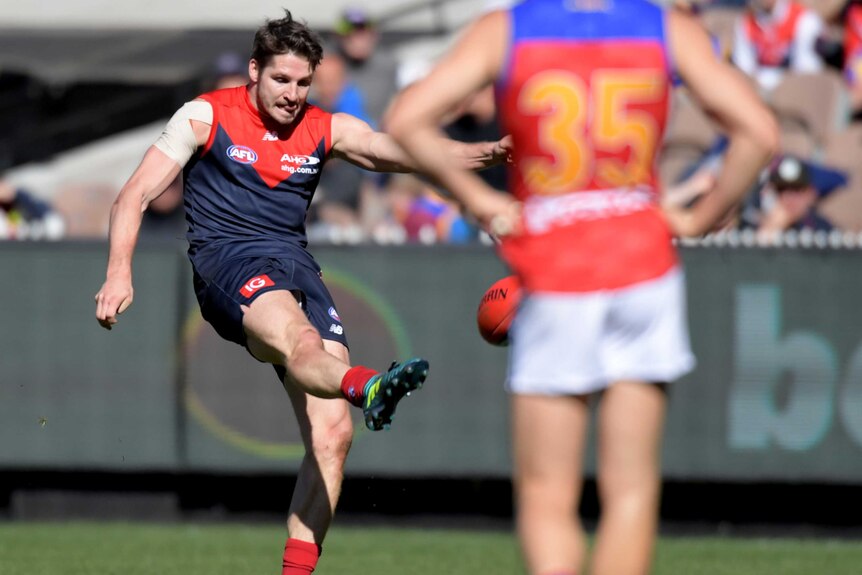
{"points": [[254, 284], [242, 154], [333, 314]]}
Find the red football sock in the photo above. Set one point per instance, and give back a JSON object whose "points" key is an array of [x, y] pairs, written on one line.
{"points": [[300, 557], [353, 384]]}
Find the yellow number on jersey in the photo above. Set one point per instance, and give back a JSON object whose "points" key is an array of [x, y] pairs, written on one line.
{"points": [[559, 97], [562, 100], [617, 127]]}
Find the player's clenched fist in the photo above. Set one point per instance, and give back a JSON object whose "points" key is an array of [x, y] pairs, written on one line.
{"points": [[112, 300]]}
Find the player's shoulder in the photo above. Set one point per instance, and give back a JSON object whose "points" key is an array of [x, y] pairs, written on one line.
{"points": [[314, 113], [225, 96], [315, 119]]}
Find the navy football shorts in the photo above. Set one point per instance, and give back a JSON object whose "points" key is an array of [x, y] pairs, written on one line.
{"points": [[241, 280]]}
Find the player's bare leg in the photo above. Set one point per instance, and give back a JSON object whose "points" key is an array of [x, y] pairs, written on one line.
{"points": [[549, 434], [327, 432], [279, 333], [631, 420]]}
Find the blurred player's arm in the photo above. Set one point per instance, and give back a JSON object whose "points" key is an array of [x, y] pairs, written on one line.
{"points": [[159, 169], [729, 98], [355, 141], [416, 115]]}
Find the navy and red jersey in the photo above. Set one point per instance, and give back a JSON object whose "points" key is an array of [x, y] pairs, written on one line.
{"points": [[585, 96], [247, 191]]}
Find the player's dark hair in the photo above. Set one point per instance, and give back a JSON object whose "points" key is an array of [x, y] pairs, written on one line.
{"points": [[286, 36]]}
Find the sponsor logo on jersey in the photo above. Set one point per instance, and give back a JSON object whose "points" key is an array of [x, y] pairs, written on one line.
{"points": [[336, 329], [333, 314], [299, 164], [254, 284], [302, 160], [242, 154], [270, 136]]}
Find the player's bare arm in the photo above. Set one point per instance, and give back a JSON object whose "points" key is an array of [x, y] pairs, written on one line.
{"points": [[727, 96], [159, 169], [355, 141], [416, 115]]}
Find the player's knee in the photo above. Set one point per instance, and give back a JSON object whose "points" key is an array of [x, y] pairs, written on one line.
{"points": [[628, 488], [332, 442], [305, 342]]}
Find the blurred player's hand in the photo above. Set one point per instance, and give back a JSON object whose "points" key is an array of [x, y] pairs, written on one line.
{"points": [[113, 299], [499, 214], [503, 150], [678, 219], [684, 222], [486, 154]]}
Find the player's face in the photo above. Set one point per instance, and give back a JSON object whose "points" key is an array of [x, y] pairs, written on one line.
{"points": [[281, 87]]}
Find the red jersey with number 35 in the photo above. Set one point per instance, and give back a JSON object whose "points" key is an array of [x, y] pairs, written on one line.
{"points": [[585, 98]]}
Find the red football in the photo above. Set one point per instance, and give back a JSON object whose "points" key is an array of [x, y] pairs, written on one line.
{"points": [[497, 309]]}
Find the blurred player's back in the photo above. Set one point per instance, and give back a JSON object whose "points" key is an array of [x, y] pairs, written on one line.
{"points": [[596, 82], [585, 98]]}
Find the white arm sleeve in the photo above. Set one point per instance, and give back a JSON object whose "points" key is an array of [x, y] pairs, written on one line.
{"points": [[178, 140]]}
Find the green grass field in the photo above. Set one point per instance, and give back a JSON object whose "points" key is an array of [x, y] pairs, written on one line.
{"points": [[230, 549]]}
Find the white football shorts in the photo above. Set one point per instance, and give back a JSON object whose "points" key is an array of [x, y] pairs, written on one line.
{"points": [[578, 343]]}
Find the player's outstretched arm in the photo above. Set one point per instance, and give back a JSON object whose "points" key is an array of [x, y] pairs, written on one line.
{"points": [[355, 141], [728, 97]]}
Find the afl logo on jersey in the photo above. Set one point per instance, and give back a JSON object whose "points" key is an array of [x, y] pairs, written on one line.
{"points": [[242, 154]]}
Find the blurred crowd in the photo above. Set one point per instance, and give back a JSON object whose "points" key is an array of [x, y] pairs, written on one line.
{"points": [[804, 57]]}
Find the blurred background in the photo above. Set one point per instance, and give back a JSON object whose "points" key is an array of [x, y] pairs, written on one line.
{"points": [[766, 434]]}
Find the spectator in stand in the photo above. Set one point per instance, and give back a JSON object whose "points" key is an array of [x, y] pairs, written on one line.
{"points": [[335, 92], [374, 73], [230, 69], [775, 36], [371, 70], [338, 204], [23, 216], [425, 216], [789, 200]]}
